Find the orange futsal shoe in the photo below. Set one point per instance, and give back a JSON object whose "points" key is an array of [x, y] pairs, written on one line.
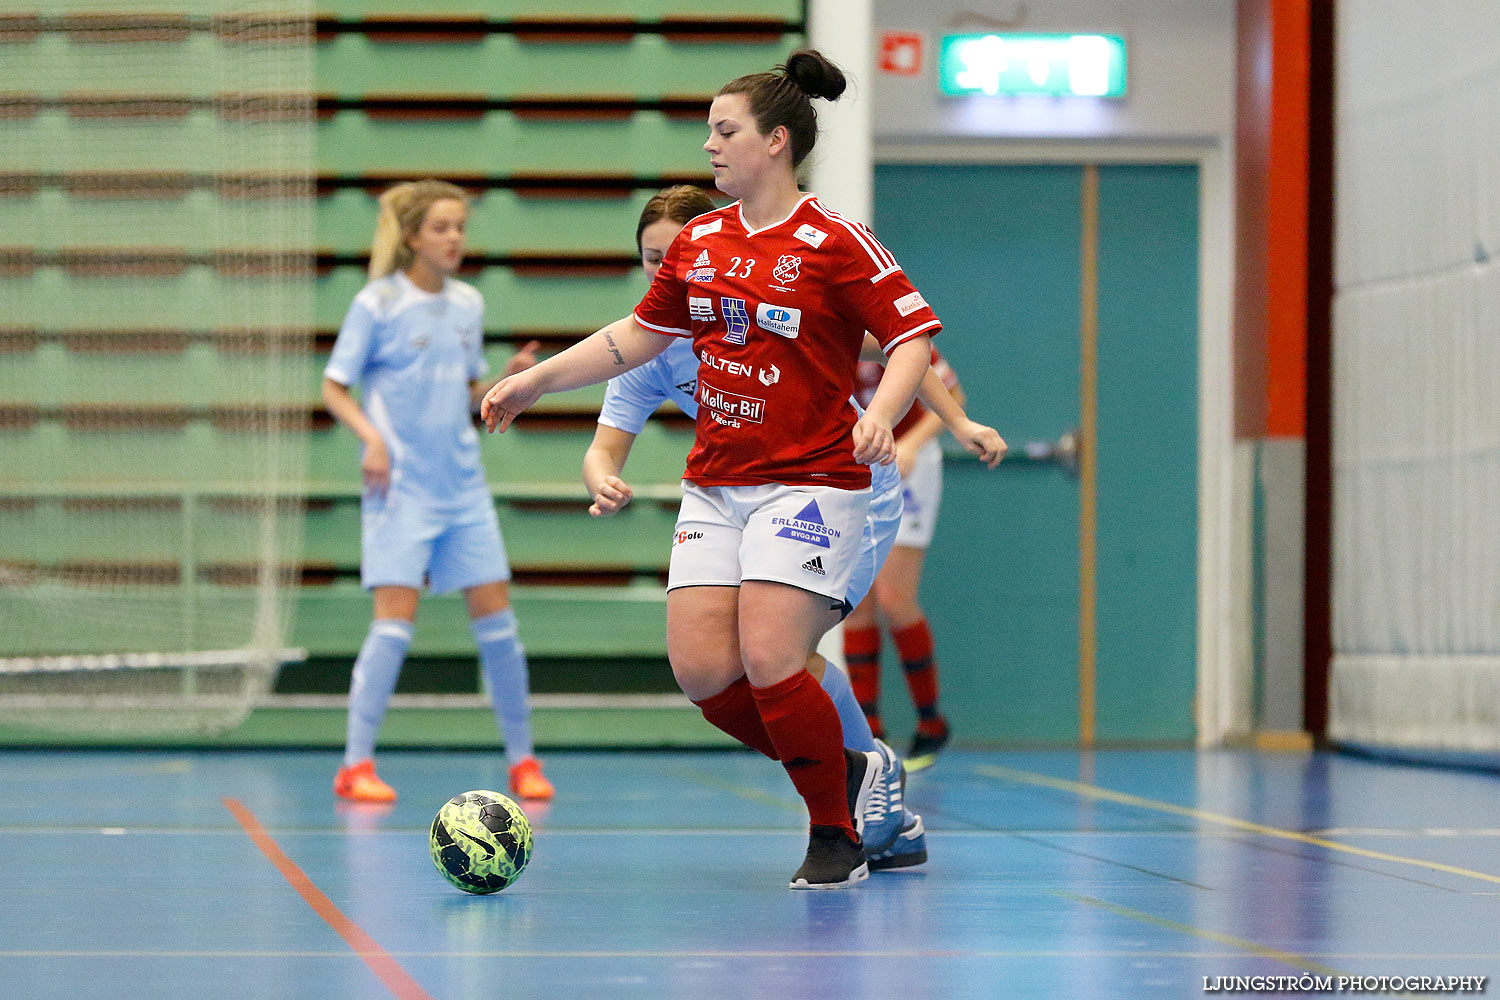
{"points": [[527, 780], [360, 783]]}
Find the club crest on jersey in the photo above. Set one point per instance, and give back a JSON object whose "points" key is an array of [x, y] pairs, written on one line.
{"points": [[807, 527], [706, 228], [908, 304], [787, 269], [810, 235], [701, 309], [736, 319], [780, 320]]}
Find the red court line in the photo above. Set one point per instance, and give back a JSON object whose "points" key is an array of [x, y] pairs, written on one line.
{"points": [[387, 968]]}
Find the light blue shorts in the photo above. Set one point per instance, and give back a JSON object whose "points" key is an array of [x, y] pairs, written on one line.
{"points": [[881, 525], [403, 542]]}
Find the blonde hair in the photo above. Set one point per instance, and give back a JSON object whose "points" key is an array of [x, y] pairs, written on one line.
{"points": [[402, 209]]}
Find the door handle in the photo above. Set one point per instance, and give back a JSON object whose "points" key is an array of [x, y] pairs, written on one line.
{"points": [[1062, 452]]}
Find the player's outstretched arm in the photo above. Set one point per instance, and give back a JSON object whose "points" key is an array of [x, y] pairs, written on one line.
{"points": [[619, 347], [602, 465], [979, 440], [873, 440], [984, 443]]}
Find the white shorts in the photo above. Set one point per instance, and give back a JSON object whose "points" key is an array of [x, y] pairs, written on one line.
{"points": [[402, 542], [881, 525], [922, 492], [809, 537]]}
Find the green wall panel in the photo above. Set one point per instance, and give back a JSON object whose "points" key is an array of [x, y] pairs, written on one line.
{"points": [[995, 251], [1148, 446]]}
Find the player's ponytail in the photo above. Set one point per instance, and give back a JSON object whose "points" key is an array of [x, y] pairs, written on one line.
{"points": [[812, 71], [784, 97], [402, 209]]}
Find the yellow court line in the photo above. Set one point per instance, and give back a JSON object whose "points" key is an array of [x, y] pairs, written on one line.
{"points": [[1123, 798], [743, 791], [1250, 947]]}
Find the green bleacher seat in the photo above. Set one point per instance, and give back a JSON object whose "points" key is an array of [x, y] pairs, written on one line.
{"points": [[790, 10], [647, 142], [505, 65]]}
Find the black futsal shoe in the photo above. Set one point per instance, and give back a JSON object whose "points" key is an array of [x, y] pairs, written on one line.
{"points": [[833, 860], [925, 749]]}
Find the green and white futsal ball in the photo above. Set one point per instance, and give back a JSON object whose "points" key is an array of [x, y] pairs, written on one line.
{"points": [[481, 841]]}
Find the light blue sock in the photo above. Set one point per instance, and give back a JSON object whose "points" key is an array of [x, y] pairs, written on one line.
{"points": [[375, 672], [857, 734], [504, 663]]}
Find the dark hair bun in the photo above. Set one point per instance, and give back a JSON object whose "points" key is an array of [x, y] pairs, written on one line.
{"points": [[811, 71]]}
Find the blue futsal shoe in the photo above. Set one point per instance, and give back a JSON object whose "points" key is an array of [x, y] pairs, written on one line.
{"points": [[909, 850], [885, 812]]}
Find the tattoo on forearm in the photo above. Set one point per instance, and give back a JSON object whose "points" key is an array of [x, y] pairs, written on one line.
{"points": [[609, 339]]}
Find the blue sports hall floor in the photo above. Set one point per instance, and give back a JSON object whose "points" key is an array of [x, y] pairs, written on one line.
{"points": [[664, 875]]}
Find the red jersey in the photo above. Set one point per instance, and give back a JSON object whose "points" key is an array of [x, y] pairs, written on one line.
{"points": [[777, 316], [868, 378]]}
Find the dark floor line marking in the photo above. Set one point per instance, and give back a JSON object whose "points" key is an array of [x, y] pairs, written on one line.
{"points": [[1117, 864], [1325, 860], [390, 972]]}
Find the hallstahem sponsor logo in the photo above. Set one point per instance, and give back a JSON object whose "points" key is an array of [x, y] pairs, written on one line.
{"points": [[706, 228], [780, 320], [686, 536], [815, 565], [807, 526], [729, 408], [810, 235]]}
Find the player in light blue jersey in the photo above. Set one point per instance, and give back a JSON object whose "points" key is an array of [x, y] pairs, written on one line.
{"points": [[412, 341], [893, 835]]}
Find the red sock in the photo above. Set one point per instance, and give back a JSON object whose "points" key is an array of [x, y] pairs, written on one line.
{"points": [[735, 712], [804, 725], [862, 654], [914, 644]]}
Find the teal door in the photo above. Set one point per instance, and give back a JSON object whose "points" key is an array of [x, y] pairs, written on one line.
{"points": [[1063, 605]]}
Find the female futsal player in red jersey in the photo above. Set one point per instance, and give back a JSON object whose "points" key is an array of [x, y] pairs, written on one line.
{"points": [[776, 292]]}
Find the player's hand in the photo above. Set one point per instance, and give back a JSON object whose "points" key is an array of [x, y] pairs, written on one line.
{"points": [[874, 444], [375, 468], [522, 359], [613, 496], [984, 443], [507, 399]]}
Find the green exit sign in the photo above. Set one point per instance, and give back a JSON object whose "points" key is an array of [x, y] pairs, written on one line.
{"points": [[1024, 64]]}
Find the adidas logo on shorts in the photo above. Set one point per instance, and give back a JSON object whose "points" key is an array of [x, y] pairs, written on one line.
{"points": [[815, 565]]}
